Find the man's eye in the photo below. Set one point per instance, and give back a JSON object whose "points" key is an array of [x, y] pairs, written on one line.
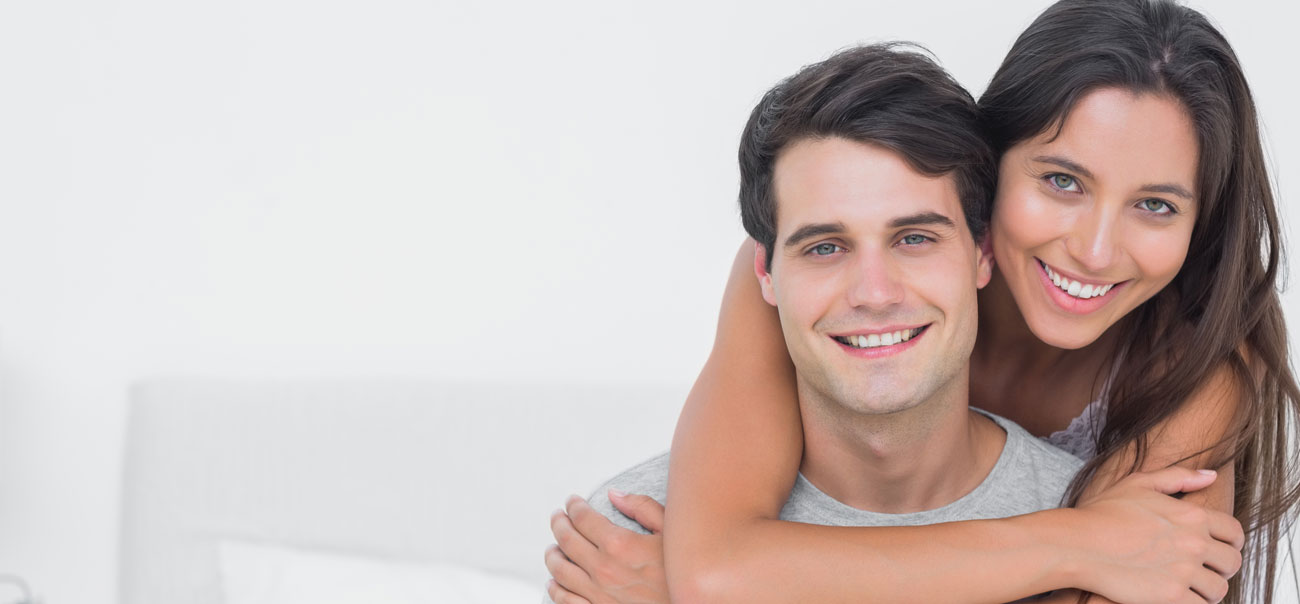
{"points": [[915, 239], [824, 249], [1064, 182]]}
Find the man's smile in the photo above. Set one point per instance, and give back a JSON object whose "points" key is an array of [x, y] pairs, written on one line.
{"points": [[882, 342]]}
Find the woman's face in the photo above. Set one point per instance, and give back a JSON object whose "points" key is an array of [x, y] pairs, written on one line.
{"points": [[1091, 223]]}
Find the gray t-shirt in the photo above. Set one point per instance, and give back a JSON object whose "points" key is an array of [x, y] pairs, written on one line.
{"points": [[1030, 475]]}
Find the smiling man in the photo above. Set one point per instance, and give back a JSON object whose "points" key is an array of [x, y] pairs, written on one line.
{"points": [[866, 183]]}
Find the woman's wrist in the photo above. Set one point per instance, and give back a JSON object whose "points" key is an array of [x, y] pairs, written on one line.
{"points": [[1061, 548]]}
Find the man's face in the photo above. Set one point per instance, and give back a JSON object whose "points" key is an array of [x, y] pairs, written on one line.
{"points": [[874, 275]]}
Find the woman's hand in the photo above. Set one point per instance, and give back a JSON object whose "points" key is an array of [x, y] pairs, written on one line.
{"points": [[1151, 547], [598, 562]]}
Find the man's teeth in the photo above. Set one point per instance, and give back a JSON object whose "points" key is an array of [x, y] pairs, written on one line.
{"points": [[1074, 288], [877, 340]]}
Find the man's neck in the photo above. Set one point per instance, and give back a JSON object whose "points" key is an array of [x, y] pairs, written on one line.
{"points": [[914, 460]]}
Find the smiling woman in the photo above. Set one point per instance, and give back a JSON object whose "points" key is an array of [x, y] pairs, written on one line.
{"points": [[1073, 213]]}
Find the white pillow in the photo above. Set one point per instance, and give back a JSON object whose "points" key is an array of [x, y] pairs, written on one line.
{"points": [[254, 573]]}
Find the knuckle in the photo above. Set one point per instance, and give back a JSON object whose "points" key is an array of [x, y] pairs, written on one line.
{"points": [[604, 573], [1220, 590], [566, 540], [617, 544], [1171, 592]]}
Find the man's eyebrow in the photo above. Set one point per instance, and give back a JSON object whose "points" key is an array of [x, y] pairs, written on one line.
{"points": [[1068, 164], [1168, 187], [922, 219], [808, 231]]}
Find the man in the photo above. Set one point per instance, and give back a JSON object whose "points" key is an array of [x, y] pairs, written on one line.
{"points": [[866, 184]]}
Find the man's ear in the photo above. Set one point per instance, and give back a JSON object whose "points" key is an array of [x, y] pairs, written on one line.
{"points": [[764, 277], [984, 270]]}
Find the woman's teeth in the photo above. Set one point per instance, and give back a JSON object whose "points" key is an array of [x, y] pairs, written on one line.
{"points": [[877, 340], [1074, 288]]}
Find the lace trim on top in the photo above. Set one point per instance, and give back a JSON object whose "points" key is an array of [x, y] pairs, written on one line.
{"points": [[1080, 437]]}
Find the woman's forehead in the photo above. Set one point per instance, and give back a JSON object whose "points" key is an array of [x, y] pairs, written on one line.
{"points": [[1122, 138]]}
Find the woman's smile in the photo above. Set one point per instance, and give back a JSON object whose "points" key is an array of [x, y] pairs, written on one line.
{"points": [[1077, 295]]}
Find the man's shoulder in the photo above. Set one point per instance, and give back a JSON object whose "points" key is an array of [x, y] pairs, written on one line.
{"points": [[1036, 468], [1034, 450], [649, 477]]}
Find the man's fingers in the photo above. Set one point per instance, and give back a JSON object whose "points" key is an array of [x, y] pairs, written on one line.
{"points": [[592, 524], [560, 595], [642, 508], [1176, 479], [571, 542], [1227, 529]]}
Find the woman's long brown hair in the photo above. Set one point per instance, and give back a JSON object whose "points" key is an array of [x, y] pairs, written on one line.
{"points": [[1222, 309]]}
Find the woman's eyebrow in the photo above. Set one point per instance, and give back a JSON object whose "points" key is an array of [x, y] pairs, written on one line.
{"points": [[1068, 164], [1073, 166], [1169, 188]]}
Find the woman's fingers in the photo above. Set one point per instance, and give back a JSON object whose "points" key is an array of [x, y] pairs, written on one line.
{"points": [[560, 595], [1223, 559], [592, 524], [1227, 529], [642, 508], [573, 543], [1209, 586], [570, 576], [1175, 479]]}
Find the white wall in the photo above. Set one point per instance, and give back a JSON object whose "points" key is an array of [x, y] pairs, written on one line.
{"points": [[291, 188]]}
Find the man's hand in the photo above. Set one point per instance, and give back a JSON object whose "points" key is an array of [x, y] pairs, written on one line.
{"points": [[1151, 547], [597, 562]]}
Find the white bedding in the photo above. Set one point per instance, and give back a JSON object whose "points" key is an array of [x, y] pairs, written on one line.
{"points": [[257, 573]]}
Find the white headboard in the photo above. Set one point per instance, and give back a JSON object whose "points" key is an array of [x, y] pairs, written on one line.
{"points": [[465, 473]]}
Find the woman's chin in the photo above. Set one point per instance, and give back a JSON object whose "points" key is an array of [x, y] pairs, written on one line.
{"points": [[1062, 334]]}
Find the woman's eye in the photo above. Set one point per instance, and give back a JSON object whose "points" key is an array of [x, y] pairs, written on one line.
{"points": [[1064, 182], [914, 239], [1156, 206], [824, 249]]}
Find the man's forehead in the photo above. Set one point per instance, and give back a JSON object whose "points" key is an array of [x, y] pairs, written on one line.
{"points": [[836, 185]]}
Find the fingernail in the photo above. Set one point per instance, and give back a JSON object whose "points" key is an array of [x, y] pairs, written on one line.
{"points": [[1208, 472], [617, 493]]}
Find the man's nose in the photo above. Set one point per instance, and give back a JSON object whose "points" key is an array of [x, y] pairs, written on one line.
{"points": [[1093, 241], [875, 281]]}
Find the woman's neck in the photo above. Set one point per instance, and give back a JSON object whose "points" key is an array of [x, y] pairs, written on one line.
{"points": [[1015, 374]]}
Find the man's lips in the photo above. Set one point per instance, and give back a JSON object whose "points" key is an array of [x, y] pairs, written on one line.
{"points": [[872, 338], [873, 343]]}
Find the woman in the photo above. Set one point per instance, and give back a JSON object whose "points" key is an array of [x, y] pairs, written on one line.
{"points": [[1131, 165]]}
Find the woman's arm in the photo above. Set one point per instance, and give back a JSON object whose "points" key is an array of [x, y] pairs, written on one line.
{"points": [[736, 455], [739, 442], [599, 562]]}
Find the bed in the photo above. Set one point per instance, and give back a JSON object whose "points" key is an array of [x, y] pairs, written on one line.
{"points": [[454, 479]]}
